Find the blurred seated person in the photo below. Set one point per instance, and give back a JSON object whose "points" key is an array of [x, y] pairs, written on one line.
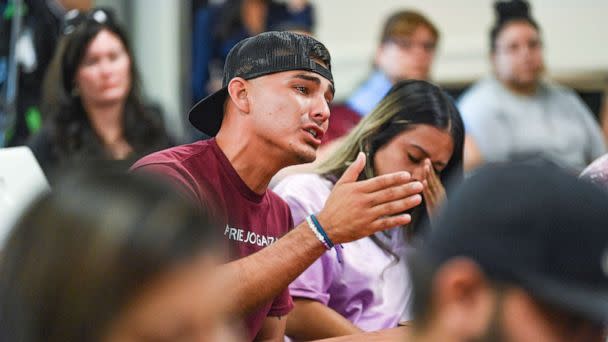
{"points": [[516, 111], [92, 100], [518, 254], [217, 28], [40, 30], [108, 257], [406, 51]]}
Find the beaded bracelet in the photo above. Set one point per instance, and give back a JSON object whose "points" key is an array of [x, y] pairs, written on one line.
{"points": [[322, 231], [316, 227]]}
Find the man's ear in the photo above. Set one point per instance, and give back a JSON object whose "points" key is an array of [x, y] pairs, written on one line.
{"points": [[464, 300], [237, 91]]}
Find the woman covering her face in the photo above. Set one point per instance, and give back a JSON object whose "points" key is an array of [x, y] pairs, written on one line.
{"points": [[364, 285]]}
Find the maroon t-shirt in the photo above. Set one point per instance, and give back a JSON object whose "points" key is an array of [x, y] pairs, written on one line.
{"points": [[252, 221]]}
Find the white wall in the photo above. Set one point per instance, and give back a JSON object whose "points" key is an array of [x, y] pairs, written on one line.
{"points": [[158, 52], [575, 34]]}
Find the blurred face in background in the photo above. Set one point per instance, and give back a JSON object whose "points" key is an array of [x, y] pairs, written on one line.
{"points": [[104, 74], [184, 304], [518, 56], [254, 14], [408, 57]]}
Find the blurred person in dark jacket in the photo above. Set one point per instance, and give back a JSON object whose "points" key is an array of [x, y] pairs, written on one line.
{"points": [[37, 39], [92, 97], [217, 28]]}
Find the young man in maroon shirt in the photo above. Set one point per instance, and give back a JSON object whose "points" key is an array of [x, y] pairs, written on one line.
{"points": [[272, 113]]}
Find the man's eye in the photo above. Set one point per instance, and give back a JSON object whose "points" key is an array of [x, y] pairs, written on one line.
{"points": [[302, 90], [413, 159]]}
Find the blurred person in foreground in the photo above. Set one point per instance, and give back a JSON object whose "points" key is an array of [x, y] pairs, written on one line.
{"points": [[519, 254], [107, 257], [271, 113], [92, 100], [515, 111]]}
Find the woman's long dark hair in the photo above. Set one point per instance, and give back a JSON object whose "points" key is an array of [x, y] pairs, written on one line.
{"points": [[66, 119], [407, 104], [81, 254]]}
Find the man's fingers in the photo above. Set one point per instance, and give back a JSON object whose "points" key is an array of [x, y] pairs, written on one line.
{"points": [[390, 222], [354, 170], [385, 181], [395, 193], [397, 206]]}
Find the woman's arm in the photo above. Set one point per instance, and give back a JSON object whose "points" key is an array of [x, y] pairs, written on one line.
{"points": [[311, 320]]}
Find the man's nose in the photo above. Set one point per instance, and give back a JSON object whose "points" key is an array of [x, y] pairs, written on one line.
{"points": [[320, 112]]}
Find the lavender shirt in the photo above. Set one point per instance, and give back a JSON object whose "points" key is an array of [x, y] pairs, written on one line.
{"points": [[364, 283]]}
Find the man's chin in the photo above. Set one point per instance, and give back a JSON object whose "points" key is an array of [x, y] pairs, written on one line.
{"points": [[305, 157], [529, 78]]}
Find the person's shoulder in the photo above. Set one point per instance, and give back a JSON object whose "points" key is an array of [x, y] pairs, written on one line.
{"points": [[177, 155], [304, 192], [480, 101], [301, 182], [482, 90], [565, 96], [554, 89]]}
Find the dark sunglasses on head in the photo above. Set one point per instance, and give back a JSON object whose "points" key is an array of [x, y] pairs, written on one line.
{"points": [[74, 18]]}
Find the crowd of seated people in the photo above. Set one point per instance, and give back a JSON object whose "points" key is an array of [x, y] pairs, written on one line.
{"points": [[390, 236]]}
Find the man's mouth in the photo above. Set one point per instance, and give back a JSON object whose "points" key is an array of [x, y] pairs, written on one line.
{"points": [[312, 132]]}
